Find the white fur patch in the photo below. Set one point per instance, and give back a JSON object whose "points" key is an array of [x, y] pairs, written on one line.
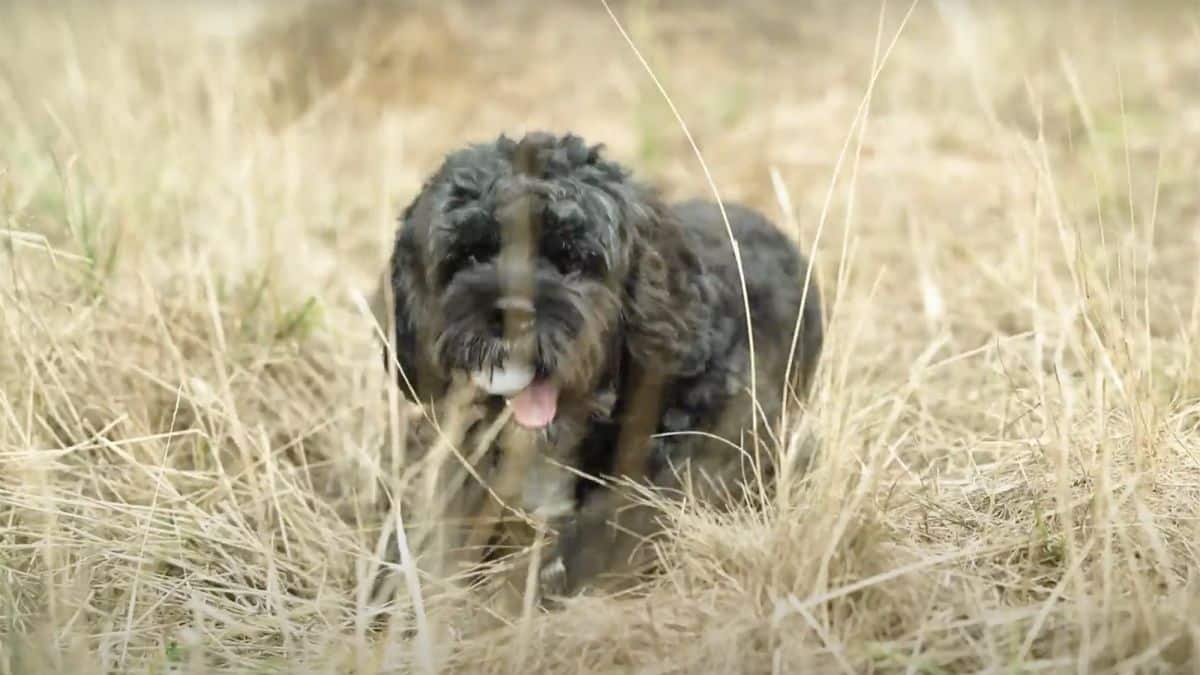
{"points": [[548, 491]]}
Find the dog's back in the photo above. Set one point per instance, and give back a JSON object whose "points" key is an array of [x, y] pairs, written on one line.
{"points": [[775, 271]]}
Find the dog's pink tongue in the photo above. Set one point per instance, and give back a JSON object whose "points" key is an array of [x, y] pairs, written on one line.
{"points": [[534, 406]]}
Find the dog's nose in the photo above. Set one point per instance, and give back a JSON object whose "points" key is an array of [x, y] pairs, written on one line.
{"points": [[515, 314]]}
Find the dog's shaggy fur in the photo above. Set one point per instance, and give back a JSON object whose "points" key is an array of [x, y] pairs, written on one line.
{"points": [[634, 310]]}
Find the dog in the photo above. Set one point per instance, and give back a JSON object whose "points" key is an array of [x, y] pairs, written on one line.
{"points": [[601, 336]]}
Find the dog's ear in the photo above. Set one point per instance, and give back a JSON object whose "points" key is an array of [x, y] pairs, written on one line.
{"points": [[415, 375], [668, 308]]}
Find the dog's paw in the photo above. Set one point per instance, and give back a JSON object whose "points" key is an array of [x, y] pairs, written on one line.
{"points": [[552, 579]]}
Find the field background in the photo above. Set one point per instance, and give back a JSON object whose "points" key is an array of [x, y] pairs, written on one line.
{"points": [[193, 428]]}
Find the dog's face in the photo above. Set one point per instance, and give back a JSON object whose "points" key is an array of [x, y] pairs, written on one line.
{"points": [[518, 266], [526, 277]]}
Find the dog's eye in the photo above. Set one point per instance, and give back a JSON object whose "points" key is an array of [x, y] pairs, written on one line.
{"points": [[588, 262], [576, 260], [463, 259], [561, 256], [479, 253]]}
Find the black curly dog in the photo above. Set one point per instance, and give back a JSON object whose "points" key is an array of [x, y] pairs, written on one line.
{"points": [[609, 325]]}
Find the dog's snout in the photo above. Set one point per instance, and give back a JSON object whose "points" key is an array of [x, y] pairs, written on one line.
{"points": [[517, 305], [514, 314]]}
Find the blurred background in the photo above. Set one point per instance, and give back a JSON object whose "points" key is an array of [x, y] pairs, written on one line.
{"points": [[1000, 197], [338, 110]]}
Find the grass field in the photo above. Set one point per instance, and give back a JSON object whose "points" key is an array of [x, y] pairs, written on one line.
{"points": [[1002, 201]]}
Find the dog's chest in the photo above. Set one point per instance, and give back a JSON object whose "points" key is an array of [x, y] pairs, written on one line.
{"points": [[535, 466], [539, 470]]}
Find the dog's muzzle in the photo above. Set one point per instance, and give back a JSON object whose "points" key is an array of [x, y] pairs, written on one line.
{"points": [[517, 314], [534, 400]]}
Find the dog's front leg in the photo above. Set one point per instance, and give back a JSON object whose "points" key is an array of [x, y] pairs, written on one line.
{"points": [[603, 547]]}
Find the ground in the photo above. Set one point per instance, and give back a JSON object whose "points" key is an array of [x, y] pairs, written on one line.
{"points": [[1000, 197]]}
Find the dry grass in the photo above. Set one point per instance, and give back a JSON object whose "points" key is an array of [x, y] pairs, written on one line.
{"points": [[194, 444]]}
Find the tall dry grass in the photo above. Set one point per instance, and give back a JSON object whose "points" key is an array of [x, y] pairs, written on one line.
{"points": [[196, 446]]}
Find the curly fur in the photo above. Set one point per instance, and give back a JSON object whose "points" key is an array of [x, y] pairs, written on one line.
{"points": [[638, 314]]}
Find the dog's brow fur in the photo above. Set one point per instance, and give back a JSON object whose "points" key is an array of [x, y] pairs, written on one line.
{"points": [[648, 345]]}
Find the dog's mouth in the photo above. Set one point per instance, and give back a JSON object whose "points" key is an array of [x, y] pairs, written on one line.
{"points": [[534, 399]]}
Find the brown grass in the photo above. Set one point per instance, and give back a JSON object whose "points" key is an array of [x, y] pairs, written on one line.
{"points": [[194, 440]]}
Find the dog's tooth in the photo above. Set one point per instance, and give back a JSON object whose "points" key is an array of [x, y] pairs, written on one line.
{"points": [[504, 381]]}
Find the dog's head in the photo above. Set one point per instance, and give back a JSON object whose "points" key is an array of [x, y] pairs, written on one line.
{"points": [[531, 266]]}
